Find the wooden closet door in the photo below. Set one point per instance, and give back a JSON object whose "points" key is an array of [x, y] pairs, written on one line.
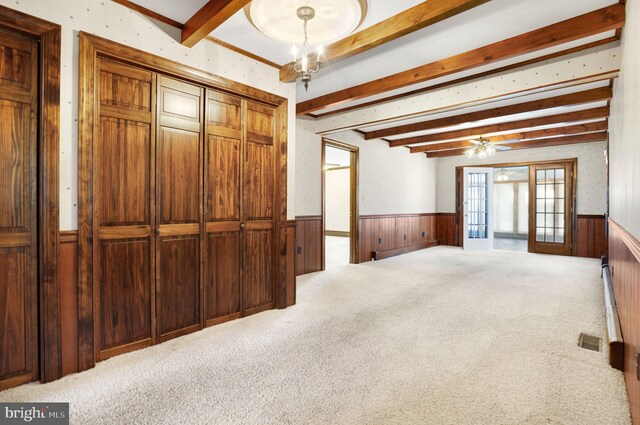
{"points": [[123, 161], [179, 208], [258, 208], [18, 211], [223, 148]]}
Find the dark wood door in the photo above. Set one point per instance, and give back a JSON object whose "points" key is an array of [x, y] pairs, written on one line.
{"points": [[123, 210], [18, 211], [551, 207], [179, 208], [258, 208], [223, 200]]}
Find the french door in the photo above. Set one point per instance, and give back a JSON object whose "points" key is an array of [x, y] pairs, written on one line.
{"points": [[551, 207], [478, 208]]}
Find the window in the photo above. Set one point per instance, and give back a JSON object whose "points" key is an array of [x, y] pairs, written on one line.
{"points": [[478, 205]]}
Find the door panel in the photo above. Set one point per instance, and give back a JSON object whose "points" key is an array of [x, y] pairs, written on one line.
{"points": [[178, 298], [125, 308], [223, 170], [18, 211], [223, 279], [123, 211], [478, 208], [258, 216], [179, 197], [551, 208], [258, 271]]}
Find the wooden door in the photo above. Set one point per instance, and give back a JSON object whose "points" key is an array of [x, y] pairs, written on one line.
{"points": [[18, 211], [223, 147], [551, 207], [258, 208], [179, 208], [123, 161]]}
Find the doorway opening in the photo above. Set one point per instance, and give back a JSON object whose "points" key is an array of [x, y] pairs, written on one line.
{"points": [[528, 207], [511, 202], [339, 209]]}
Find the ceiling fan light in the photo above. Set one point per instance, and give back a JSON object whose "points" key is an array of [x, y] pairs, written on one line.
{"points": [[491, 151], [482, 154]]}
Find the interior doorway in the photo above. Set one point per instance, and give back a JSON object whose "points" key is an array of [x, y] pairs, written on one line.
{"points": [[511, 206], [339, 204], [528, 207]]}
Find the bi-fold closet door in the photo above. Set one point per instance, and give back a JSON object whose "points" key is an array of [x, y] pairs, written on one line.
{"points": [[183, 208]]}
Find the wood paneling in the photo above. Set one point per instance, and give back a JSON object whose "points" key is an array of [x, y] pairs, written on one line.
{"points": [[309, 244], [222, 286], [69, 301], [18, 209], [624, 263], [446, 229], [291, 263], [591, 236], [395, 233]]}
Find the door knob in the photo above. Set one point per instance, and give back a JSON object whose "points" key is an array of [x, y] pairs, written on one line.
{"points": [[241, 226]]}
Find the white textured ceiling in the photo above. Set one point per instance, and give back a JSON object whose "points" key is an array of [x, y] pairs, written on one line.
{"points": [[488, 23]]}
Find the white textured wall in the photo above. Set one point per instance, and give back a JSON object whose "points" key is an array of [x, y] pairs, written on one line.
{"points": [[115, 22], [624, 139], [391, 181], [592, 173], [337, 198]]}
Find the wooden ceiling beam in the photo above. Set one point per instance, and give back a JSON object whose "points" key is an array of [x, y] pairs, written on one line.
{"points": [[591, 127], [466, 133], [596, 22], [536, 143], [208, 18], [472, 77], [572, 99], [413, 19]]}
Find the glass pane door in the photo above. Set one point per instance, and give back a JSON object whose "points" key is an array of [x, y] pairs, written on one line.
{"points": [[478, 208], [553, 197]]}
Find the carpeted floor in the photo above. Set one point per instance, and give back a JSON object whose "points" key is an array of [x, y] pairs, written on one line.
{"points": [[438, 337]]}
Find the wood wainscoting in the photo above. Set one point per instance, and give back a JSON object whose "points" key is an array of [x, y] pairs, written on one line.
{"points": [[624, 263], [69, 300], [309, 244], [446, 229], [591, 236], [382, 236], [291, 262]]}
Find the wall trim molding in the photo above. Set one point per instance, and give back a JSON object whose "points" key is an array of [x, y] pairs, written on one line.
{"points": [[308, 217], [374, 216], [338, 233], [631, 241], [68, 236]]}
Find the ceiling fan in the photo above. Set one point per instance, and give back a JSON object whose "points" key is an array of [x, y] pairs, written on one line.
{"points": [[484, 147]]}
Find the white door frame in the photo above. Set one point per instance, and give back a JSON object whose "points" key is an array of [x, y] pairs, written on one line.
{"points": [[482, 201]]}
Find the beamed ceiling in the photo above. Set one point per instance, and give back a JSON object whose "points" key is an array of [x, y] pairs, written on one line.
{"points": [[407, 48]]}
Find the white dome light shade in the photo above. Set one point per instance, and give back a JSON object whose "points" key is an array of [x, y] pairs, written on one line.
{"points": [[334, 19]]}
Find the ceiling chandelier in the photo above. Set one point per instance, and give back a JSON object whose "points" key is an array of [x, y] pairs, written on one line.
{"points": [[309, 63], [502, 175], [484, 148]]}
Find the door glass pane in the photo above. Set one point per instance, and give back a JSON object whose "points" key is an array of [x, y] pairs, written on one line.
{"points": [[478, 205], [550, 199]]}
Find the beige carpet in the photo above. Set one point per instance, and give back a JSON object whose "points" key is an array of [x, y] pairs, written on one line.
{"points": [[434, 337]]}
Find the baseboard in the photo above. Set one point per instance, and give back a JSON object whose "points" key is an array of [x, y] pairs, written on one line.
{"points": [[337, 233], [380, 255]]}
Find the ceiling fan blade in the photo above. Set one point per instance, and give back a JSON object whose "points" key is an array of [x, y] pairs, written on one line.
{"points": [[502, 148], [476, 142]]}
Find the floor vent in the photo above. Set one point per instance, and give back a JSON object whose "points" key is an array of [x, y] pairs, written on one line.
{"points": [[590, 342]]}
